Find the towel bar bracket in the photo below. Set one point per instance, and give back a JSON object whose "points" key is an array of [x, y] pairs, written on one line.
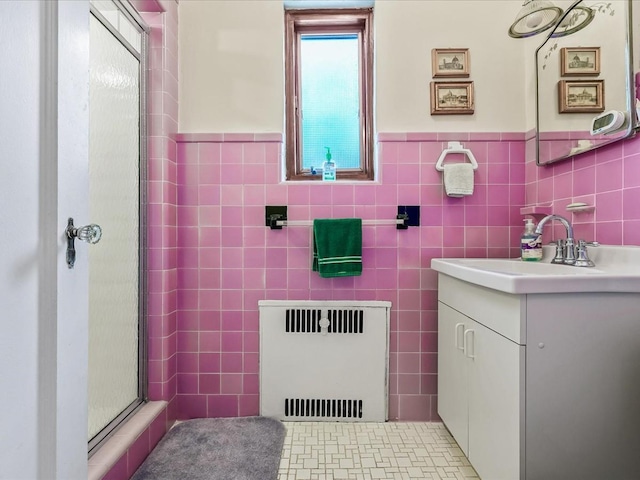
{"points": [[273, 222], [404, 217], [410, 214], [273, 214]]}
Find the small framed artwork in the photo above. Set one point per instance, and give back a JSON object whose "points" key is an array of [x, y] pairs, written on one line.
{"points": [[581, 61], [580, 96], [450, 62], [452, 98]]}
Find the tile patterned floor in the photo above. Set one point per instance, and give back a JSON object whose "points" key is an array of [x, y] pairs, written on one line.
{"points": [[372, 451]]}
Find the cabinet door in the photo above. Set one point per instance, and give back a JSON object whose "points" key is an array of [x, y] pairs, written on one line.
{"points": [[452, 374], [494, 370]]}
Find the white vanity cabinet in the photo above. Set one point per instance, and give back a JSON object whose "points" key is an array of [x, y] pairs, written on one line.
{"points": [[479, 390], [540, 386]]}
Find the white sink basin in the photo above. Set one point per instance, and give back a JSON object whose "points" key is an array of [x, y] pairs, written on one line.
{"points": [[518, 267], [617, 270]]}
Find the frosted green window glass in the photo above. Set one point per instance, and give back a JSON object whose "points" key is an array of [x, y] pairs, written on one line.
{"points": [[330, 100]]}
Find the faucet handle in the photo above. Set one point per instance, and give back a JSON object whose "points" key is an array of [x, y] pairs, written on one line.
{"points": [[583, 259], [559, 257], [584, 243], [569, 251]]}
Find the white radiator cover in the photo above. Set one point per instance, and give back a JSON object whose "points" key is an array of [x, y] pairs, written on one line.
{"points": [[324, 360]]}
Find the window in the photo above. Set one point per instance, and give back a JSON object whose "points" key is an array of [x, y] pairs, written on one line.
{"points": [[329, 92]]}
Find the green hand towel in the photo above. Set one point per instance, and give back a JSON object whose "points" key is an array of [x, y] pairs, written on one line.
{"points": [[337, 247]]}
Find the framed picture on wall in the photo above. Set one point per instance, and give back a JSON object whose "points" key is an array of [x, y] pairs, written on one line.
{"points": [[452, 98], [450, 62], [581, 61], [580, 96]]}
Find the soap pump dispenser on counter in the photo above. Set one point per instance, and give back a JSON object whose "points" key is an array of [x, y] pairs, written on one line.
{"points": [[328, 168], [530, 243]]}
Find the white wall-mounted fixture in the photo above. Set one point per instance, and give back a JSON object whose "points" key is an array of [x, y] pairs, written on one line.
{"points": [[607, 122], [534, 17], [455, 147]]}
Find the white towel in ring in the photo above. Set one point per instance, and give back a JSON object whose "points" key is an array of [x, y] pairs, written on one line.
{"points": [[458, 179]]}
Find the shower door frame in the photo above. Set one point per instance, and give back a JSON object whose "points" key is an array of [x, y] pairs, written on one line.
{"points": [[142, 56]]}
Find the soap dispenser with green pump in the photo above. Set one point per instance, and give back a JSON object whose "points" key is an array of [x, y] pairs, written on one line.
{"points": [[530, 243], [328, 168]]}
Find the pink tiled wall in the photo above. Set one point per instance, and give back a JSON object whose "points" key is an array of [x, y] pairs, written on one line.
{"points": [[228, 260], [162, 203], [608, 178]]}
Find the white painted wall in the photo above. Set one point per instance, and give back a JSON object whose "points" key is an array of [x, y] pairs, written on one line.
{"points": [[407, 30], [231, 64]]}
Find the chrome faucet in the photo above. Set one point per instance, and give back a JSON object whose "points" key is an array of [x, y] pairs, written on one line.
{"points": [[565, 251]]}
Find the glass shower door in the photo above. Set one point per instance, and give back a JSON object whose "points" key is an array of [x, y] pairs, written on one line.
{"points": [[115, 387]]}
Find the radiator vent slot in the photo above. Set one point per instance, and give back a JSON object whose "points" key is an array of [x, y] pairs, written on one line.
{"points": [[298, 320], [345, 321], [324, 408]]}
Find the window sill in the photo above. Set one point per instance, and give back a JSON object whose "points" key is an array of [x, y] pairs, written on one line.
{"points": [[333, 182]]}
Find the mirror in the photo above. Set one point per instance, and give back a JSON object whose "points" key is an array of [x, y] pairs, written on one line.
{"points": [[585, 95]]}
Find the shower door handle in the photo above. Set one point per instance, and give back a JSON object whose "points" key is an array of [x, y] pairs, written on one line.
{"points": [[89, 233]]}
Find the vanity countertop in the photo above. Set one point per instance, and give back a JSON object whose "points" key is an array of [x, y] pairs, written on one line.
{"points": [[617, 270]]}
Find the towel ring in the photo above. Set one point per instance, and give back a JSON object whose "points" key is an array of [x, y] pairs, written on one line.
{"points": [[455, 147]]}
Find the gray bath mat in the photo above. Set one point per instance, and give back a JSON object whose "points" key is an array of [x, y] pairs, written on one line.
{"points": [[244, 448]]}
